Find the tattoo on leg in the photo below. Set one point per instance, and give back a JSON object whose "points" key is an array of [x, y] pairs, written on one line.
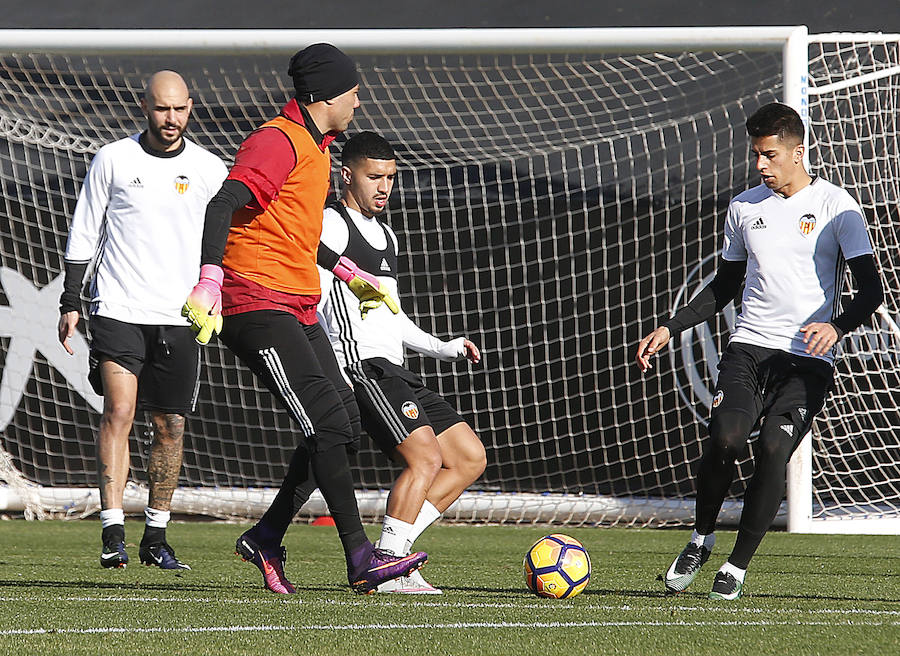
{"points": [[104, 480], [165, 458]]}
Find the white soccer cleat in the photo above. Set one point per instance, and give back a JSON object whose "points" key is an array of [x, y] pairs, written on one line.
{"points": [[414, 584]]}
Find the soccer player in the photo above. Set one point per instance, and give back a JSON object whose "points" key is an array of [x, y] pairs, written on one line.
{"points": [[787, 240], [139, 218], [267, 219], [440, 454]]}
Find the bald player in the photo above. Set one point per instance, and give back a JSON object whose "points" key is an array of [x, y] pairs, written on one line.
{"points": [[139, 219]]}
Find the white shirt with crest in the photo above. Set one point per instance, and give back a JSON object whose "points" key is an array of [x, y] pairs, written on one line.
{"points": [[139, 217], [795, 249]]}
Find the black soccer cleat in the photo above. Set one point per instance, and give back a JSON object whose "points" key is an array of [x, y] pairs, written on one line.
{"points": [[160, 555], [113, 555], [726, 587], [685, 568]]}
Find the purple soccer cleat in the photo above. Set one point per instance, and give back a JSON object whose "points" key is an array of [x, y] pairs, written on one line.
{"points": [[381, 566], [269, 560]]}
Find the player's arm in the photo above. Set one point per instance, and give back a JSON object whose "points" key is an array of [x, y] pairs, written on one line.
{"points": [[427, 344], [70, 302], [820, 337], [232, 196], [203, 306], [84, 237], [721, 290]]}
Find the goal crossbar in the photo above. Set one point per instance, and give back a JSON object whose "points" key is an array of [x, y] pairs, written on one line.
{"points": [[401, 41]]}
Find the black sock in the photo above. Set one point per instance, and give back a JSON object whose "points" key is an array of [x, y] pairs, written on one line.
{"points": [[298, 484], [332, 472], [114, 534], [153, 535]]}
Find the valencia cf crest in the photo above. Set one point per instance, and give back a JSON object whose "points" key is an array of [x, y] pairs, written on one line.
{"points": [[717, 399], [182, 184], [807, 223], [410, 410]]}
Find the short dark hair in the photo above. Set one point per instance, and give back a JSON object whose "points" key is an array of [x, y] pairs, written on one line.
{"points": [[776, 119], [366, 145]]}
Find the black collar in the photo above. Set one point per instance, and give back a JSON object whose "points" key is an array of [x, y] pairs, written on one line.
{"points": [[310, 125], [145, 144]]}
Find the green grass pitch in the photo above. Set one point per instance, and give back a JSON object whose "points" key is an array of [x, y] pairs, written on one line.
{"points": [[805, 594]]}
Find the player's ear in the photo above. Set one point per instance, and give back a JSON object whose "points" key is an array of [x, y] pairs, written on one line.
{"points": [[346, 175], [799, 149]]}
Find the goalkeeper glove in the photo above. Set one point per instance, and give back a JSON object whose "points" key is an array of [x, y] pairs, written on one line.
{"points": [[203, 306], [365, 286]]}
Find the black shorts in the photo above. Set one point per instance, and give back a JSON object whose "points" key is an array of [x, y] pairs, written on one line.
{"points": [[764, 382], [393, 402], [165, 359]]}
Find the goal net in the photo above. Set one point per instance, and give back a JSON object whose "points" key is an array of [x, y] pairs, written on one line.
{"points": [[854, 458], [552, 205]]}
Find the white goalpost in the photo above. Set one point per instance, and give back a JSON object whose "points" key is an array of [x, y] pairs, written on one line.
{"points": [[559, 191]]}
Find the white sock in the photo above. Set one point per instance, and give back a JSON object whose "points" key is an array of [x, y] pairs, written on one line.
{"points": [[394, 533], [736, 572], [707, 541], [157, 518], [427, 516], [111, 517]]}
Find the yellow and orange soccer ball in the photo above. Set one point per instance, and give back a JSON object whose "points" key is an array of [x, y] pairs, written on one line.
{"points": [[557, 566]]}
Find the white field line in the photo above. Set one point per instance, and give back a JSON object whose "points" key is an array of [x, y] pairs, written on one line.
{"points": [[399, 603], [418, 627]]}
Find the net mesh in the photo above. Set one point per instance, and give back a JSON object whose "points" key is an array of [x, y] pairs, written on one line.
{"points": [[551, 207], [854, 104]]}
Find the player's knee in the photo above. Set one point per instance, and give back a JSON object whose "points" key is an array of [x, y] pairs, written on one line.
{"points": [[426, 464], [118, 413], [728, 432], [332, 429], [475, 461], [777, 440], [421, 457]]}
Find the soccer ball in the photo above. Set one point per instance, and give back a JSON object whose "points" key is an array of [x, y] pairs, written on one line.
{"points": [[557, 566]]}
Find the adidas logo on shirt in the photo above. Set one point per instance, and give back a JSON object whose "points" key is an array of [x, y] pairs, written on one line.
{"points": [[759, 224], [136, 183], [384, 265]]}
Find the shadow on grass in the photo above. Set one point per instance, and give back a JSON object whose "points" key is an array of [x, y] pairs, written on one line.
{"points": [[703, 596], [178, 586]]}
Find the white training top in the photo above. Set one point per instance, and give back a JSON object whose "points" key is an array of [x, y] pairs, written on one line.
{"points": [[795, 250], [382, 334], [140, 217]]}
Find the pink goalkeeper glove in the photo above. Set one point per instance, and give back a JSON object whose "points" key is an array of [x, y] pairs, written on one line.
{"points": [[203, 306], [365, 286]]}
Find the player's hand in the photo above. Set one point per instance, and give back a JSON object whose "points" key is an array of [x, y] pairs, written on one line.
{"points": [[203, 306], [67, 324], [366, 287], [650, 346], [819, 338], [472, 354], [371, 294]]}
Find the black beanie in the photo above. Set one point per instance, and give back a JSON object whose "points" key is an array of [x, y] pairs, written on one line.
{"points": [[322, 72]]}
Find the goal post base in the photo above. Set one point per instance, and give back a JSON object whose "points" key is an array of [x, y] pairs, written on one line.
{"points": [[472, 507]]}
